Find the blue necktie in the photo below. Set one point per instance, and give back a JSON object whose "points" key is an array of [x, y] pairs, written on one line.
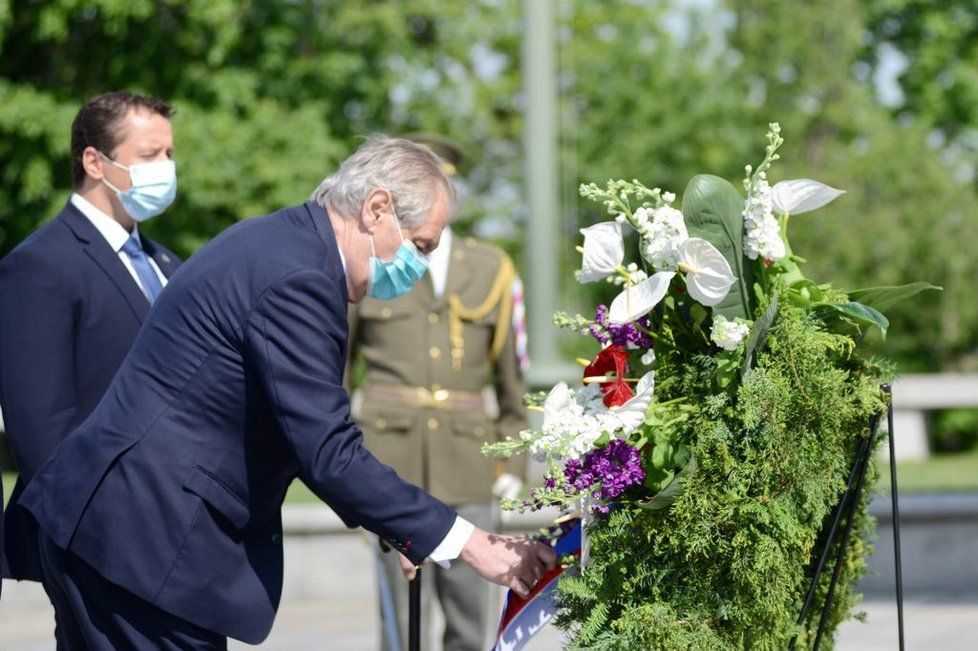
{"points": [[140, 262]]}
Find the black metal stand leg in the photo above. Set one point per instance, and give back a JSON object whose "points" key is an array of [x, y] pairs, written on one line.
{"points": [[845, 505], [840, 557], [898, 563], [414, 613]]}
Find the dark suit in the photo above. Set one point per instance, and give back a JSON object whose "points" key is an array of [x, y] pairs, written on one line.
{"points": [[236, 381], [70, 312]]}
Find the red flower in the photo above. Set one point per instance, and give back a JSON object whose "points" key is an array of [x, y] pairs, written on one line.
{"points": [[614, 360]]}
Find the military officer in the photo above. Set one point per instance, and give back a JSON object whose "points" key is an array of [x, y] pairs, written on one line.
{"points": [[427, 359]]}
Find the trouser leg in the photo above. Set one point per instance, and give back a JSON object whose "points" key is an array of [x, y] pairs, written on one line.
{"points": [[94, 614]]}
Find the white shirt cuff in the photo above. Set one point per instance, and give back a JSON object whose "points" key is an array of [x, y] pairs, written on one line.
{"points": [[451, 545]]}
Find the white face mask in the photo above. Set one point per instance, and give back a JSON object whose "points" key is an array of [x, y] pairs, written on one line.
{"points": [[154, 187]]}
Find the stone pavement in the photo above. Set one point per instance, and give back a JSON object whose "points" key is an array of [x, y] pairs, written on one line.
{"points": [[343, 616]]}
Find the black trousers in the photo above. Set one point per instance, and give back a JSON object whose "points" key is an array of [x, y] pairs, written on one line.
{"points": [[94, 614]]}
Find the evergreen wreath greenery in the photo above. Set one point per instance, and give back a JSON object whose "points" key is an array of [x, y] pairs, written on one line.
{"points": [[704, 484]]}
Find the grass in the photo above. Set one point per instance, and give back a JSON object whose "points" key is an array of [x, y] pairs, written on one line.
{"points": [[939, 473]]}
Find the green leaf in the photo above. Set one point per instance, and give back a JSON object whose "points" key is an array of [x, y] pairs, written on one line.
{"points": [[862, 314], [728, 363], [884, 297], [758, 336], [713, 210], [808, 289], [664, 498]]}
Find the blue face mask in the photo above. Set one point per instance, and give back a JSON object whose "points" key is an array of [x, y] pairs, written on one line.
{"points": [[397, 277], [154, 187]]}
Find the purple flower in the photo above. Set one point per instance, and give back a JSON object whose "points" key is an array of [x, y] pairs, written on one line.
{"points": [[620, 334], [613, 468]]}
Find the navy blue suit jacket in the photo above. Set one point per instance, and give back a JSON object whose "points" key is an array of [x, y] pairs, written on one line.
{"points": [[173, 487], [70, 312]]}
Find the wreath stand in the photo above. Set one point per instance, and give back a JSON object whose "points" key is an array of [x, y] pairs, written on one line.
{"points": [[846, 508], [414, 612]]}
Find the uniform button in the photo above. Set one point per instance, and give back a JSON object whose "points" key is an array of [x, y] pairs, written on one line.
{"points": [[381, 423], [386, 313], [432, 318], [432, 423], [276, 538], [434, 352]]}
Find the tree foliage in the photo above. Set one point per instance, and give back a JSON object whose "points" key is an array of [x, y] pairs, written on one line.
{"points": [[271, 95]]}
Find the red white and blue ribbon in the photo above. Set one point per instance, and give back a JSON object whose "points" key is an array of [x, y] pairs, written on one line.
{"points": [[523, 618]]}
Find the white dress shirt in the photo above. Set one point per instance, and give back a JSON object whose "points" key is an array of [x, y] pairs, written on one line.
{"points": [[115, 235], [451, 545], [438, 262]]}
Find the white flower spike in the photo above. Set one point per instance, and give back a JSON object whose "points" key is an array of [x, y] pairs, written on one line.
{"points": [[603, 251], [638, 300], [663, 238], [708, 274], [802, 195]]}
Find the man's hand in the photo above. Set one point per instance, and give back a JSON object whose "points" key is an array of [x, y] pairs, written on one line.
{"points": [[409, 569], [517, 563]]}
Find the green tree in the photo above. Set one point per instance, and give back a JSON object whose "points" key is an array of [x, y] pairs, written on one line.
{"points": [[939, 39], [904, 212], [270, 95]]}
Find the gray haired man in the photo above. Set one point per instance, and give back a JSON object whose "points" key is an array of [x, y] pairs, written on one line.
{"points": [[236, 379]]}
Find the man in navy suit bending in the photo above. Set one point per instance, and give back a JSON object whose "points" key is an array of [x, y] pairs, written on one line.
{"points": [[161, 512], [74, 294]]}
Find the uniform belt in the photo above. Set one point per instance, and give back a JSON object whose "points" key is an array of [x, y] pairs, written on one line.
{"points": [[423, 397]]}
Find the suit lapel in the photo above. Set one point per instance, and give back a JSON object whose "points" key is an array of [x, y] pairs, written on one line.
{"points": [[107, 260], [164, 259]]}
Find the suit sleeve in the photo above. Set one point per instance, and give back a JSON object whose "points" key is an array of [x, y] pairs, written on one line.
{"points": [[510, 388], [36, 360], [296, 340]]}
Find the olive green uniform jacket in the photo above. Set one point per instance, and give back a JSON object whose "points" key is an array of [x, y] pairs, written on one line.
{"points": [[429, 358]]}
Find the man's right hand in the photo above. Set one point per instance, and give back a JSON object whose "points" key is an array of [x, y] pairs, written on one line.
{"points": [[510, 561]]}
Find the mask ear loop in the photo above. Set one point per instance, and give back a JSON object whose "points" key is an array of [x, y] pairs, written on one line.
{"points": [[121, 167], [397, 223]]}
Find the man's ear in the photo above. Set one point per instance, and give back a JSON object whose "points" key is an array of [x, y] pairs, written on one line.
{"points": [[378, 204], [92, 163]]}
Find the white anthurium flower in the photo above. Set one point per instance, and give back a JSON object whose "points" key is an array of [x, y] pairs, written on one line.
{"points": [[802, 195], [708, 274], [638, 300], [631, 414], [603, 251]]}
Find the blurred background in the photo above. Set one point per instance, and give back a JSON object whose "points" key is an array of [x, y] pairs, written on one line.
{"points": [[878, 97]]}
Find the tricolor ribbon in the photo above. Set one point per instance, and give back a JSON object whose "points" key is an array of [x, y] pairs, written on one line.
{"points": [[523, 618]]}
